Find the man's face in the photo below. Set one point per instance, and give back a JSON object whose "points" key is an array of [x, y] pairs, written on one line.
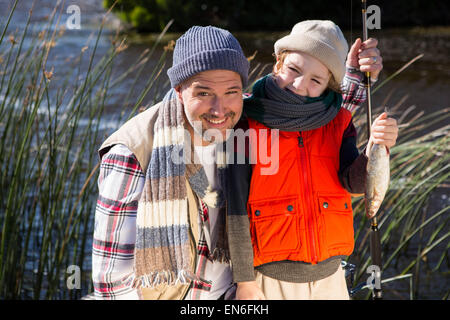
{"points": [[213, 99]]}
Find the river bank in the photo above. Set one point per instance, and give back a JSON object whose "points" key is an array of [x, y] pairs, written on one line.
{"points": [[50, 194]]}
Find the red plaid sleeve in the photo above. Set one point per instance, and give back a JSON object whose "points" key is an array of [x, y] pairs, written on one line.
{"points": [[353, 90], [120, 182]]}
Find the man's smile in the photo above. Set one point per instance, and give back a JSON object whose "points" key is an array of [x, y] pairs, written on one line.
{"points": [[216, 121]]}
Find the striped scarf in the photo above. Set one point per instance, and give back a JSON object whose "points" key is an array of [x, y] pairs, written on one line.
{"points": [[162, 248]]}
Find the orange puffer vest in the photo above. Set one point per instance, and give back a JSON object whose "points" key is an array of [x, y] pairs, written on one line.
{"points": [[300, 213]]}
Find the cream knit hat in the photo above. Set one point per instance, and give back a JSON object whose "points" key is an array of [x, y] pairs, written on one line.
{"points": [[320, 38]]}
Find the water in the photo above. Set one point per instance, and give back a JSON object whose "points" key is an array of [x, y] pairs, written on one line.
{"points": [[425, 85]]}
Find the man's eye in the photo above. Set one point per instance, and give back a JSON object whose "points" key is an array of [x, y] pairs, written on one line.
{"points": [[232, 92], [203, 94]]}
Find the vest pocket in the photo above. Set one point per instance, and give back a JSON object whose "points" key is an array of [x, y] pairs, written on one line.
{"points": [[275, 225], [336, 210]]}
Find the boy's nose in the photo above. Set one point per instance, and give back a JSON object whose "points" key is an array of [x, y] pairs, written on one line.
{"points": [[300, 85]]}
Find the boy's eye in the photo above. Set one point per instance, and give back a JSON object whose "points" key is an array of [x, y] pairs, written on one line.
{"points": [[316, 81], [293, 69]]}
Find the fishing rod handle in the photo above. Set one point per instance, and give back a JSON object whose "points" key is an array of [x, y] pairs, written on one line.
{"points": [[367, 74]]}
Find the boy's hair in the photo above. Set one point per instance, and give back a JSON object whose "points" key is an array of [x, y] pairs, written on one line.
{"points": [[279, 59]]}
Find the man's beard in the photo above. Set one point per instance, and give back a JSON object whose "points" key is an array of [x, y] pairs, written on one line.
{"points": [[211, 135]]}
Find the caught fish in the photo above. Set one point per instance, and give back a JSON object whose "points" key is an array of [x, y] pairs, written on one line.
{"points": [[377, 178]]}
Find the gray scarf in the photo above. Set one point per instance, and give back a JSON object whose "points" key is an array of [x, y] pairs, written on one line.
{"points": [[281, 109]]}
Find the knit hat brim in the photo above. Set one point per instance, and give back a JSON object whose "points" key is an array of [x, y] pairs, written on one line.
{"points": [[223, 59]]}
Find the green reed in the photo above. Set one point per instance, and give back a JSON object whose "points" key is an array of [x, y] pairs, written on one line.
{"points": [[49, 136], [420, 164]]}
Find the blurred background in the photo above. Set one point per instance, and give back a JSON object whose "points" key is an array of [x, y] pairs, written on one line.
{"points": [[64, 89], [266, 15]]}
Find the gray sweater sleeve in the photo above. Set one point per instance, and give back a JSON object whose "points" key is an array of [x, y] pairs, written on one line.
{"points": [[352, 164], [239, 239], [353, 177]]}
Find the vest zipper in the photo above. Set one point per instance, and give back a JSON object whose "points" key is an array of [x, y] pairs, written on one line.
{"points": [[310, 214]]}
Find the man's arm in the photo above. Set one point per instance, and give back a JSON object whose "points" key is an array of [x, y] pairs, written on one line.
{"points": [[120, 183]]}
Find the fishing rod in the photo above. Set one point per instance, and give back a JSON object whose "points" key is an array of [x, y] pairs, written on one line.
{"points": [[375, 242]]}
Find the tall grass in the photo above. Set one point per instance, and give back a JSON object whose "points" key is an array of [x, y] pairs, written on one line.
{"points": [[49, 136], [411, 225], [51, 127]]}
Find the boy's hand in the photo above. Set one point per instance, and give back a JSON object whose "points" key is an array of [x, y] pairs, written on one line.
{"points": [[249, 290], [384, 131], [366, 57]]}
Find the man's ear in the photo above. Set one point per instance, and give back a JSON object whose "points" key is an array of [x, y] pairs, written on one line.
{"points": [[178, 91]]}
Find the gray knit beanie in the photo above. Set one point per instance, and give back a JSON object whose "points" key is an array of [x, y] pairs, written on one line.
{"points": [[206, 48], [320, 38]]}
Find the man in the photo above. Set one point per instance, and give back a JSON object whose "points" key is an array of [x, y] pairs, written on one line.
{"points": [[160, 223]]}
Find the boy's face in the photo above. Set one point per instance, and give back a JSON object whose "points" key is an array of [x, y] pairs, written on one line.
{"points": [[212, 100], [302, 74]]}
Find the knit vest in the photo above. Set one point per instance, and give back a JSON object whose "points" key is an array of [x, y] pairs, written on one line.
{"points": [[137, 135], [301, 212]]}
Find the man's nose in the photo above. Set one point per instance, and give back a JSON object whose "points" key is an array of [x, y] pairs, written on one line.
{"points": [[218, 107]]}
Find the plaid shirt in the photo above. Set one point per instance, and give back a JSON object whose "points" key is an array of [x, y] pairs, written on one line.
{"points": [[353, 89], [120, 183], [203, 257]]}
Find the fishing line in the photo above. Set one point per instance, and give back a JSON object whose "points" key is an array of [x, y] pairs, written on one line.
{"points": [[351, 22]]}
